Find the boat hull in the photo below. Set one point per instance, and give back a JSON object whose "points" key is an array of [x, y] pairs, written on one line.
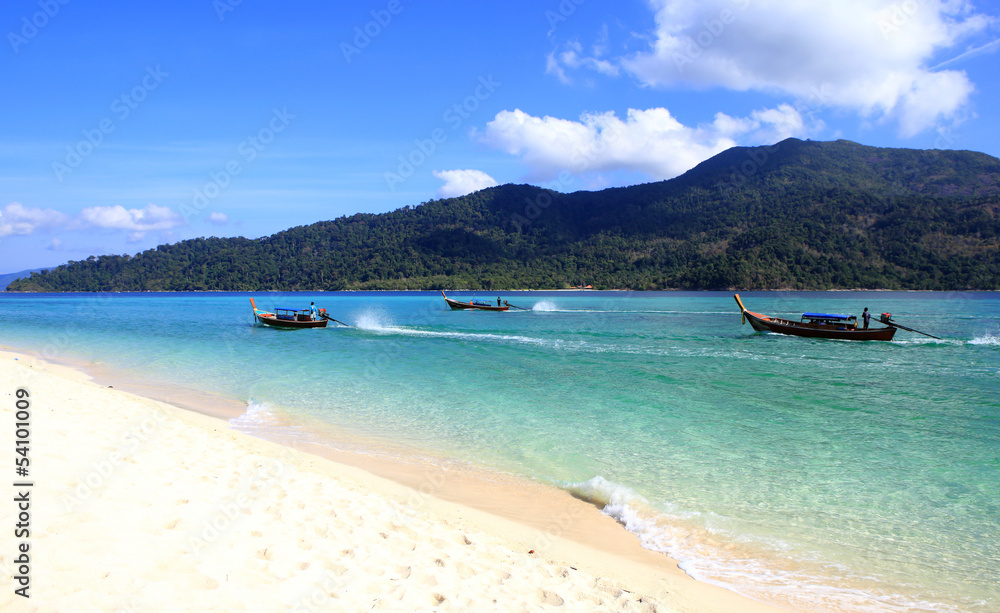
{"points": [[458, 305], [765, 323], [270, 320]]}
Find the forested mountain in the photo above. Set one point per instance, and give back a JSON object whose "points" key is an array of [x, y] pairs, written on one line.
{"points": [[798, 215], [11, 276]]}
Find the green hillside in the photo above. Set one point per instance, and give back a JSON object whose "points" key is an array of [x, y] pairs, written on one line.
{"points": [[797, 215]]}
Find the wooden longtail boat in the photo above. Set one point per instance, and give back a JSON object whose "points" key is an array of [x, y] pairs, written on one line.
{"points": [[472, 304], [289, 318], [816, 325]]}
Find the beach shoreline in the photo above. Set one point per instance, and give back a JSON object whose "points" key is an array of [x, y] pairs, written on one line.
{"points": [[549, 546]]}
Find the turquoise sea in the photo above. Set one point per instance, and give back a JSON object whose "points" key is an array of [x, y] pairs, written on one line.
{"points": [[835, 475]]}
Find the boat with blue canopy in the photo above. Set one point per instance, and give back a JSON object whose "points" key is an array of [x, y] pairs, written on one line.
{"points": [[827, 316], [290, 317], [817, 325], [474, 304]]}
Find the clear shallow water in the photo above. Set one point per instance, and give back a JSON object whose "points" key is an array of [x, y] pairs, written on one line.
{"points": [[829, 474]]}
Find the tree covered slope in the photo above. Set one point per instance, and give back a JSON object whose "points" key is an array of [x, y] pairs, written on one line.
{"points": [[797, 215]]}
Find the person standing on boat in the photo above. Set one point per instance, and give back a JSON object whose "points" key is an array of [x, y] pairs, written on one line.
{"points": [[312, 311], [498, 300], [867, 317]]}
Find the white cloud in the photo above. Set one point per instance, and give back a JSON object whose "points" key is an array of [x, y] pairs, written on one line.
{"points": [[650, 141], [555, 63], [573, 57], [462, 182], [552, 66], [990, 47], [15, 218], [139, 221], [867, 56], [219, 219]]}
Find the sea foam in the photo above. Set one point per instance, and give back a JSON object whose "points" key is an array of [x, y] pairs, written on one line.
{"points": [[257, 415], [986, 339], [374, 319], [760, 569]]}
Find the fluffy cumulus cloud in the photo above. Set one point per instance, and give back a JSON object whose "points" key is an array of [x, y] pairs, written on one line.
{"points": [[218, 219], [15, 218], [652, 141], [867, 56], [462, 182], [117, 217]]}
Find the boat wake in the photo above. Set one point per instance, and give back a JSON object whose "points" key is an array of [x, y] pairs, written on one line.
{"points": [[986, 339], [482, 337], [374, 319], [545, 306], [911, 339], [377, 322]]}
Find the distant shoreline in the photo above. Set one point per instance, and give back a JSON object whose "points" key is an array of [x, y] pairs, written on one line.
{"points": [[508, 291]]}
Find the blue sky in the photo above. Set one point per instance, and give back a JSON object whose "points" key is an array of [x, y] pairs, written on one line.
{"points": [[126, 125]]}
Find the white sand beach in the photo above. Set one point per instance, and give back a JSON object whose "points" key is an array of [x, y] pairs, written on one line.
{"points": [[139, 505]]}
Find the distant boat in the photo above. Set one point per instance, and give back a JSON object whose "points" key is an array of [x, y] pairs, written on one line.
{"points": [[816, 325], [473, 304], [289, 318]]}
